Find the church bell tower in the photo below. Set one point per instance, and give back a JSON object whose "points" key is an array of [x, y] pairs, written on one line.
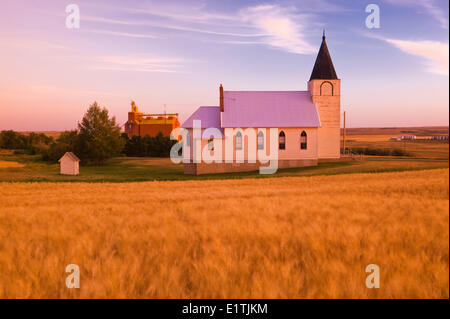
{"points": [[325, 89]]}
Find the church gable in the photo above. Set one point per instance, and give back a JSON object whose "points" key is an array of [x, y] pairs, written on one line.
{"points": [[208, 115]]}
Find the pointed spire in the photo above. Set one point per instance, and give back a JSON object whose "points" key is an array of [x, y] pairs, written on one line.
{"points": [[323, 68]]}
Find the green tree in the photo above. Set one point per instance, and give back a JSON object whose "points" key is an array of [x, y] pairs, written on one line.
{"points": [[66, 142], [99, 136], [12, 140], [36, 143], [148, 146]]}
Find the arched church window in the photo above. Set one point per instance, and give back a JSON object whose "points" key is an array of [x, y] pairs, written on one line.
{"points": [[211, 144], [282, 141], [188, 139], [238, 141], [260, 140], [326, 88], [303, 141]]}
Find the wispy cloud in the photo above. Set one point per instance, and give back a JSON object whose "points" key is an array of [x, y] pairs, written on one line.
{"points": [[137, 64], [430, 6], [285, 28], [435, 11], [50, 90], [276, 26], [435, 53], [125, 34], [171, 26], [187, 14], [27, 43]]}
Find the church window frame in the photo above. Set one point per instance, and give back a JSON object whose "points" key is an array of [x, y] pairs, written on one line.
{"points": [[303, 140], [282, 141]]}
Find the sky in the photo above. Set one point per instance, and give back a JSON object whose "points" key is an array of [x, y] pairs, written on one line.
{"points": [[172, 55]]}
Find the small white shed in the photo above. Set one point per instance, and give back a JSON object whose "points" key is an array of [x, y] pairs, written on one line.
{"points": [[69, 164]]}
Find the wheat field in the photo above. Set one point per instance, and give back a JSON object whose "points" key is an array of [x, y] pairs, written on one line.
{"points": [[293, 237], [8, 164]]}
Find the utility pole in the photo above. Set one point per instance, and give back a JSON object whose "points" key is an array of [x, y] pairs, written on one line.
{"points": [[344, 134]]}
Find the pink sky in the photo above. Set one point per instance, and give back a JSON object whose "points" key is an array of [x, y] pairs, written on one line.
{"points": [[178, 53]]}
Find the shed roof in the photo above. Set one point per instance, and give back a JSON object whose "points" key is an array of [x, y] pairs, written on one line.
{"points": [[71, 156], [269, 109]]}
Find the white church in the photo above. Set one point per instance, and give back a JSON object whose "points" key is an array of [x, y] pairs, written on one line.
{"points": [[307, 123]]}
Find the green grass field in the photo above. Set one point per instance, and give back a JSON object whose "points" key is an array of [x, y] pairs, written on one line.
{"points": [[26, 168], [423, 155]]}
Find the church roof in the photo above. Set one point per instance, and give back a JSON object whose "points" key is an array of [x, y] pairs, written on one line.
{"points": [[269, 109], [323, 68], [209, 115], [259, 109]]}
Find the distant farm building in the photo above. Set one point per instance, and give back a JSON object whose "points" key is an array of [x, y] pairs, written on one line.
{"points": [[404, 138], [140, 124], [439, 138], [69, 164]]}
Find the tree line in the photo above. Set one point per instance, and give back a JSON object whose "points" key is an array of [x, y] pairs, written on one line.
{"points": [[148, 146], [32, 143], [97, 139], [378, 151]]}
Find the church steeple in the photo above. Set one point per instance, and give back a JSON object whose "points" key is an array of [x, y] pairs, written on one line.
{"points": [[323, 68]]}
